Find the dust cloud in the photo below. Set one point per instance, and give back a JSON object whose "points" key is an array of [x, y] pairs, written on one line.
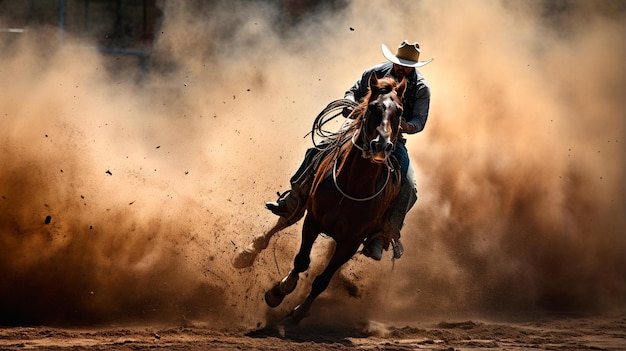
{"points": [[125, 194]]}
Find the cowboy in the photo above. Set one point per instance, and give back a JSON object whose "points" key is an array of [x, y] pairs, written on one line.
{"points": [[416, 102]]}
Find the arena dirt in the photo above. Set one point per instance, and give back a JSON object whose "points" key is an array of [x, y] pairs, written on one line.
{"points": [[124, 194]]}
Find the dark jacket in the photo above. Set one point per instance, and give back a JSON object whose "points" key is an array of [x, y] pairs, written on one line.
{"points": [[416, 100]]}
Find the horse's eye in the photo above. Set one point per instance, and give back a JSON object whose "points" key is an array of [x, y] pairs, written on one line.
{"points": [[375, 107]]}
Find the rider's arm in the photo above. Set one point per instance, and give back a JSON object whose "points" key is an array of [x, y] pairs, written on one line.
{"points": [[350, 95], [357, 91], [361, 87], [416, 118]]}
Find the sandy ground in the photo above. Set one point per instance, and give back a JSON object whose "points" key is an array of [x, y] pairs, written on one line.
{"points": [[546, 333]]}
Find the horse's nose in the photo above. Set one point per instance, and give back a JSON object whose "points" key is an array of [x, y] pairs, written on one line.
{"points": [[377, 146], [389, 147]]}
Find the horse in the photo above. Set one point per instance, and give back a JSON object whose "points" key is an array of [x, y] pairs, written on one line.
{"points": [[353, 186]]}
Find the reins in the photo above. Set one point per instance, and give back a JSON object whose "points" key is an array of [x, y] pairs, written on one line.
{"points": [[329, 113], [356, 198]]}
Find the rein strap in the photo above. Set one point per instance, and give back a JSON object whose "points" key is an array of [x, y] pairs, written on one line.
{"points": [[363, 199]]}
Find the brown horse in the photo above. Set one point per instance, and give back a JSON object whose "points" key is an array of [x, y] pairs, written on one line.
{"points": [[353, 187]]}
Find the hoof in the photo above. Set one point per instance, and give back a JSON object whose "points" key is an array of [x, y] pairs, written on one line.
{"points": [[274, 297], [244, 258], [300, 312], [290, 321], [287, 324]]}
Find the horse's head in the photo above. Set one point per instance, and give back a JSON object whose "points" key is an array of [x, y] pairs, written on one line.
{"points": [[381, 121]]}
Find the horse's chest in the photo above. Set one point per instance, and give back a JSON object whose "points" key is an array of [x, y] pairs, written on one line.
{"points": [[346, 215]]}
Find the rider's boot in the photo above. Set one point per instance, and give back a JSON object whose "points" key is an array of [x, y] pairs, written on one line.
{"points": [[396, 214], [292, 203], [284, 206], [396, 244], [394, 221]]}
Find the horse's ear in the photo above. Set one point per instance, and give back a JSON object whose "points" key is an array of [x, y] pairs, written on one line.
{"points": [[401, 88], [373, 81]]}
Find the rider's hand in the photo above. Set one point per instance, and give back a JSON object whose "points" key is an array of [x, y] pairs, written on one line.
{"points": [[405, 127], [346, 111]]}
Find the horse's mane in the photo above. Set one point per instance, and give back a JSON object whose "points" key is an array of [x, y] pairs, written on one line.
{"points": [[354, 121]]}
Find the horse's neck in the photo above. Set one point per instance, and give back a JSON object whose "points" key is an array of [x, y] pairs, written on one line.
{"points": [[360, 174]]}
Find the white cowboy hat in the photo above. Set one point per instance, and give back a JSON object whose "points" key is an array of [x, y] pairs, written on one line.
{"points": [[407, 55]]}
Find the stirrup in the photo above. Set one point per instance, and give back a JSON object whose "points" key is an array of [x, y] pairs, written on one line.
{"points": [[398, 248]]}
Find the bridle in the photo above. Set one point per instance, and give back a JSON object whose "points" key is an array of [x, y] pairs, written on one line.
{"points": [[365, 149], [365, 153]]}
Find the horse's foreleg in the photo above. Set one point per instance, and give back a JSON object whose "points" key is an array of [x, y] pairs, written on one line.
{"points": [[287, 285], [341, 255], [246, 257], [277, 293]]}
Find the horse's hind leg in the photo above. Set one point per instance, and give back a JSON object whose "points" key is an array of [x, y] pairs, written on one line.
{"points": [[246, 257], [301, 263]]}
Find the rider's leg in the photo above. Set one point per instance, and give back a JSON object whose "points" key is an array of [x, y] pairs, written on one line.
{"points": [[398, 210], [291, 203], [394, 218]]}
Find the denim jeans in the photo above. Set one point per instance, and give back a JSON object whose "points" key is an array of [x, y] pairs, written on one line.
{"points": [[401, 153]]}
